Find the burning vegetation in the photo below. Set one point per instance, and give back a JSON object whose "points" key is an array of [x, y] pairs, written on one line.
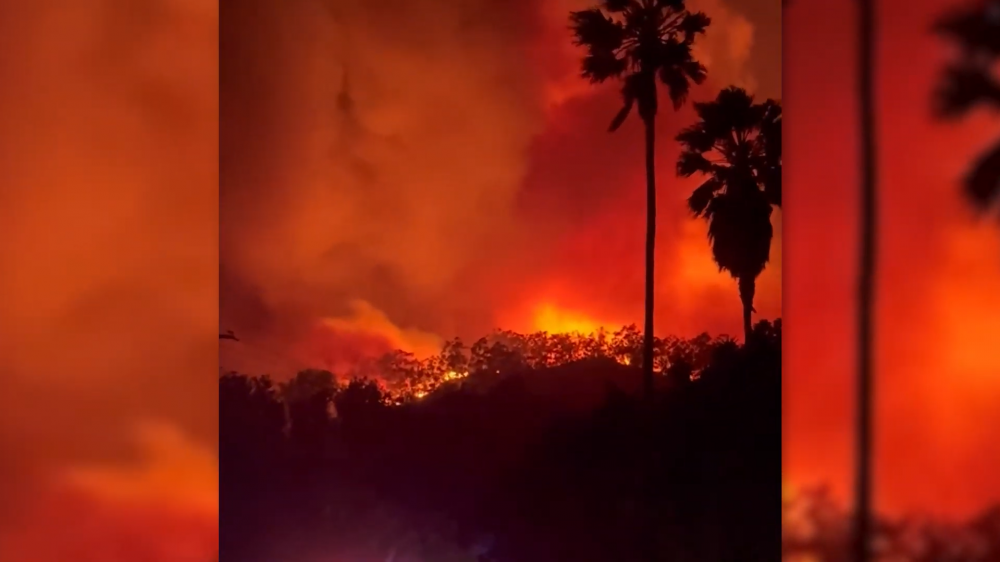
{"points": [[403, 376]]}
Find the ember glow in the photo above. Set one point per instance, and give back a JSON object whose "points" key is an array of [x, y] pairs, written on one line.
{"points": [[554, 321]]}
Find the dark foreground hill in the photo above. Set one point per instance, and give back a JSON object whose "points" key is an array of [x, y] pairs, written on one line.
{"points": [[561, 463]]}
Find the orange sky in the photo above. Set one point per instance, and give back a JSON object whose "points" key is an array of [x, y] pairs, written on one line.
{"points": [[109, 284], [939, 308]]}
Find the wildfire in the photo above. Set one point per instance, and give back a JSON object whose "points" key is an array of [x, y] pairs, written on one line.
{"points": [[550, 319], [447, 376], [452, 375]]}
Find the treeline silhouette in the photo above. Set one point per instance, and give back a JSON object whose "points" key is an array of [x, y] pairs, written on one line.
{"points": [[518, 448], [403, 377], [818, 529]]}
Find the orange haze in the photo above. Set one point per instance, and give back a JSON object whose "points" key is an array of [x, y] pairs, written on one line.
{"points": [[108, 290], [939, 309]]}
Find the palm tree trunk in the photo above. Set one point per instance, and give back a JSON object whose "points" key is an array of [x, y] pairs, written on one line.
{"points": [[647, 341], [866, 284], [748, 287]]}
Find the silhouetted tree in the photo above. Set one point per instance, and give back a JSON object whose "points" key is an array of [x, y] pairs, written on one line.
{"points": [[970, 83], [456, 356], [360, 400], [729, 145], [641, 42], [251, 453], [308, 398]]}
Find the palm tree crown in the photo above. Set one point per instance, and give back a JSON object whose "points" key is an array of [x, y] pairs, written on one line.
{"points": [[639, 41], [737, 144], [969, 83]]}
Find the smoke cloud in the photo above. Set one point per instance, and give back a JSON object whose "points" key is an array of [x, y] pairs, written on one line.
{"points": [[107, 247]]}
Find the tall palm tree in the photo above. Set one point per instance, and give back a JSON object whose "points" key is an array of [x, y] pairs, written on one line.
{"points": [[736, 143], [640, 42], [866, 282]]}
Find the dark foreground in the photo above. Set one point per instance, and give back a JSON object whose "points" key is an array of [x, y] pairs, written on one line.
{"points": [[535, 466]]}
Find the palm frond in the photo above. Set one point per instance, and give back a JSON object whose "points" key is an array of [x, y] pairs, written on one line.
{"points": [[702, 196], [618, 6], [695, 71], [770, 138], [982, 183], [622, 115], [678, 69], [669, 4], [677, 85], [602, 65], [771, 120], [601, 35], [672, 53], [733, 110], [962, 88], [695, 138], [770, 128], [694, 24], [591, 28], [690, 163], [976, 29]]}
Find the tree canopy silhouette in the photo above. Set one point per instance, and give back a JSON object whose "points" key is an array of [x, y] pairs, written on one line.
{"points": [[640, 43], [736, 143]]}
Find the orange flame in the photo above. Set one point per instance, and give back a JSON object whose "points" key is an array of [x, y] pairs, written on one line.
{"points": [[549, 318]]}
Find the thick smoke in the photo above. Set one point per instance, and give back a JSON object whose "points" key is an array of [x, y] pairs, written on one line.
{"points": [[108, 242], [374, 149]]}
